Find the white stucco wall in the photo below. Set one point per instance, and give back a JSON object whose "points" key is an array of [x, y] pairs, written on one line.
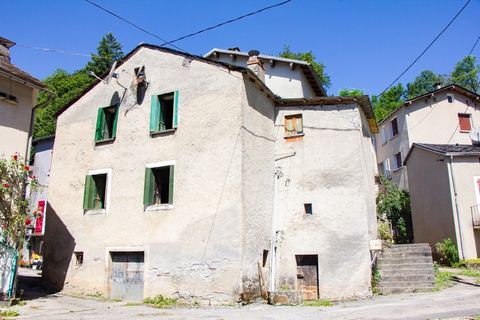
{"points": [[15, 118]]}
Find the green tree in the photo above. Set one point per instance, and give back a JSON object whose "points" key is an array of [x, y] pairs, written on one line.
{"points": [[350, 92], [310, 58], [424, 83], [393, 204], [388, 101], [108, 50], [465, 74]]}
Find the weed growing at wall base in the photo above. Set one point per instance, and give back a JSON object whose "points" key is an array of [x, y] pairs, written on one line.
{"points": [[318, 303], [9, 313], [160, 301]]}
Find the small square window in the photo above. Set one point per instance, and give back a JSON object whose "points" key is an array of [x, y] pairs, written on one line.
{"points": [[106, 124], [308, 208], [164, 109], [293, 125], [78, 258], [394, 124], [450, 98], [158, 187], [464, 122], [95, 192]]}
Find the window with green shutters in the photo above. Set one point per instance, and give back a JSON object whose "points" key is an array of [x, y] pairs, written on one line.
{"points": [[164, 112], [106, 127], [94, 197], [158, 189]]}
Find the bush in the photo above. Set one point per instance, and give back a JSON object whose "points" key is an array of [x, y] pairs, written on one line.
{"points": [[447, 252], [160, 301], [384, 231]]}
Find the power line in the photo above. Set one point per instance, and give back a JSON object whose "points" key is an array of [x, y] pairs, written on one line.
{"points": [[129, 22], [426, 49], [61, 51], [225, 22], [474, 45]]}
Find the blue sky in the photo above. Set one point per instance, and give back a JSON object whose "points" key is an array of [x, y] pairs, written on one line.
{"points": [[364, 44]]}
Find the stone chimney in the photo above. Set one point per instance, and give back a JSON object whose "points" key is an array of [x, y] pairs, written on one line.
{"points": [[5, 46], [255, 64]]}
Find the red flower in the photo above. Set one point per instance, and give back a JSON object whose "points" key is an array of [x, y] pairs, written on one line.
{"points": [[28, 221], [6, 185], [15, 157], [27, 168]]}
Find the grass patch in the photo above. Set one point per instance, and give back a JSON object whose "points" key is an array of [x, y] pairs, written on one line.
{"points": [[471, 273], [160, 301], [9, 313], [318, 303], [443, 279], [132, 304]]}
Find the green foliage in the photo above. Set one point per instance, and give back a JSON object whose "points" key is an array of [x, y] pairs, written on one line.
{"points": [[160, 301], [67, 86], [447, 252], [108, 51], [310, 58], [424, 83], [350, 92], [384, 230], [443, 279], [376, 277], [9, 313], [393, 204], [388, 101], [471, 273], [16, 187], [318, 303], [465, 74]]}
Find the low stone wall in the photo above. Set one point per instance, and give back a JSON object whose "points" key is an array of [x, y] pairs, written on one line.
{"points": [[279, 298]]}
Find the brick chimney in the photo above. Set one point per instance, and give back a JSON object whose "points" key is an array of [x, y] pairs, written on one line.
{"points": [[255, 64], [5, 46]]}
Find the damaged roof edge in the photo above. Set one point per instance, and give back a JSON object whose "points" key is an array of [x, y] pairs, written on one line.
{"points": [[362, 101]]}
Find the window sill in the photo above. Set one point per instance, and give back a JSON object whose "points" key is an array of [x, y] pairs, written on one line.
{"points": [[465, 131], [398, 169], [158, 207], [102, 142], [394, 137], [162, 133], [94, 211], [294, 137]]}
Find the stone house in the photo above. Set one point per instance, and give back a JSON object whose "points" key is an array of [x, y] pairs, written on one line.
{"points": [[190, 177], [443, 116], [18, 94]]}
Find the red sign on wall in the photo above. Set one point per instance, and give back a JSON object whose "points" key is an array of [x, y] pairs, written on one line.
{"points": [[40, 220]]}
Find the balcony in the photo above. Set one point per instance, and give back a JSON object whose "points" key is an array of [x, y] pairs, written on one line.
{"points": [[476, 216]]}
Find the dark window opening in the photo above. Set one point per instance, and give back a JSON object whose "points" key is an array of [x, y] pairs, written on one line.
{"points": [[449, 98], [95, 191], [308, 208], [78, 258], [106, 123], [394, 127], [398, 160], [158, 185], [264, 258], [163, 115], [166, 112]]}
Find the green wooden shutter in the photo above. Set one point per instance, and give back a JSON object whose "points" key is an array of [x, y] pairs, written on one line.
{"points": [[175, 109], [89, 193], [100, 125], [115, 120], [148, 187], [170, 185], [155, 114]]}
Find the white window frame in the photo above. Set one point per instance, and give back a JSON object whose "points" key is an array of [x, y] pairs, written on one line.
{"points": [[387, 171], [163, 206], [383, 135], [108, 186]]}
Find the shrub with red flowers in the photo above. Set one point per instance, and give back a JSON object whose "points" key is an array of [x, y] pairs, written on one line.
{"points": [[16, 186]]}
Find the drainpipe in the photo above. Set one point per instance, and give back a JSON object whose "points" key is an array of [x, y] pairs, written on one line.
{"points": [[456, 217]]}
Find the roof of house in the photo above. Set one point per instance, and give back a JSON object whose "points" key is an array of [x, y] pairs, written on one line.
{"points": [[450, 87], [307, 69], [7, 43], [456, 150]]}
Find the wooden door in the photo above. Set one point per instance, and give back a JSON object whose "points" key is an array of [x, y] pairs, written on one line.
{"points": [[307, 275], [127, 276]]}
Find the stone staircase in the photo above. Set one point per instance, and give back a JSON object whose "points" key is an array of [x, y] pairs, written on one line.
{"points": [[406, 268]]}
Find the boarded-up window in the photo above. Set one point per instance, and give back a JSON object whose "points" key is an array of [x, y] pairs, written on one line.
{"points": [[95, 192], [464, 122], [164, 112], [293, 125], [158, 187], [394, 127], [106, 127]]}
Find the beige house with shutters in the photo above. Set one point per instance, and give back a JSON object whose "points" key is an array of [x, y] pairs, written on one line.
{"points": [[443, 116], [199, 179]]}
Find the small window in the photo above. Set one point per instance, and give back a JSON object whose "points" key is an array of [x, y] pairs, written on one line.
{"points": [[386, 168], [164, 112], [293, 125], [398, 160], [383, 134], [450, 98], [95, 191], [78, 258], [264, 258], [464, 122], [308, 208], [106, 124], [394, 127], [158, 186]]}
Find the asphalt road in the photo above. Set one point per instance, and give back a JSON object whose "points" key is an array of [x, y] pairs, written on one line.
{"points": [[462, 301]]}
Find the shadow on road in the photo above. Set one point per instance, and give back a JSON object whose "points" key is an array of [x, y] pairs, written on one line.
{"points": [[30, 285]]}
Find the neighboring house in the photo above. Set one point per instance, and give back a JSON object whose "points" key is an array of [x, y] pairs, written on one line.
{"points": [[18, 94], [444, 185], [190, 178], [443, 116]]}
